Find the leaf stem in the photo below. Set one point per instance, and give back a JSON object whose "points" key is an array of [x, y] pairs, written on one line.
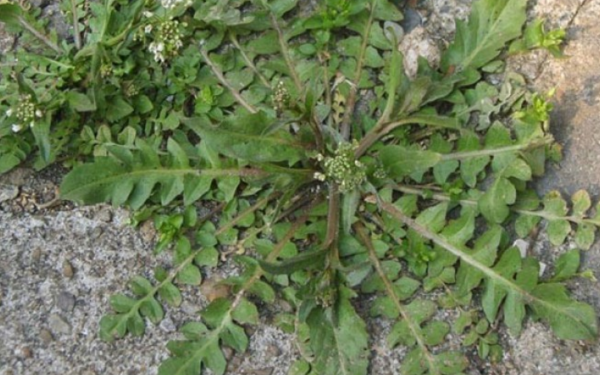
{"points": [[224, 82], [494, 151], [39, 35], [248, 61], [351, 102], [76, 34], [286, 54], [415, 330]]}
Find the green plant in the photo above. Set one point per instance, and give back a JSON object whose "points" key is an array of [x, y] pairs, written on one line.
{"points": [[328, 170]]}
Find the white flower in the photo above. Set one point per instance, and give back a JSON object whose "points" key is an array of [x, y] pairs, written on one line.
{"points": [[148, 14], [31, 124], [148, 29], [319, 176], [9, 112], [38, 113], [16, 128]]}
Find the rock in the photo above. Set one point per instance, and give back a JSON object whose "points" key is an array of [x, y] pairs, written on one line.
{"points": [[46, 336], [65, 301], [167, 325], [8, 192], [96, 233], [25, 352], [104, 215], [67, 269], [36, 254], [58, 325]]}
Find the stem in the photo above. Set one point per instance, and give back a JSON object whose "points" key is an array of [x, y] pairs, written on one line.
{"points": [[415, 330], [27, 26], [286, 54], [351, 102], [248, 61], [224, 82], [333, 216], [75, 25], [326, 84], [494, 151]]}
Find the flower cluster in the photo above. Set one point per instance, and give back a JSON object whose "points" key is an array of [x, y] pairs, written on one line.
{"points": [[343, 168], [167, 40], [25, 113], [281, 97]]}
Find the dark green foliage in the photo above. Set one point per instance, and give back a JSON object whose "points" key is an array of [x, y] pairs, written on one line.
{"points": [[240, 128]]}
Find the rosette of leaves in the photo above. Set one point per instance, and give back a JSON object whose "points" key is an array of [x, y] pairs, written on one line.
{"points": [[331, 174]]}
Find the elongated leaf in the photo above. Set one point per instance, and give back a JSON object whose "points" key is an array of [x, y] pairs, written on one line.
{"points": [[491, 25], [400, 161], [339, 339], [244, 138], [569, 319]]}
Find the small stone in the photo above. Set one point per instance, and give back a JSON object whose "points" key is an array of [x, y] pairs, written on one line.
{"points": [[25, 352], [104, 215], [67, 269], [58, 325], [8, 192], [46, 336], [96, 233], [65, 301], [167, 325], [36, 255]]}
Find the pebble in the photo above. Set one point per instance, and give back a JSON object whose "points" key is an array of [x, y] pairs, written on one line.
{"points": [[8, 192], [265, 371], [58, 325], [46, 336], [65, 301], [36, 255], [104, 215], [167, 325], [25, 352], [67, 269], [96, 233]]}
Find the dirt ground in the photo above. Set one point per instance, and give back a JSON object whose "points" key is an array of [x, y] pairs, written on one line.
{"points": [[59, 265]]}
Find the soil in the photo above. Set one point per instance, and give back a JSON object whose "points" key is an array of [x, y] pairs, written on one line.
{"points": [[60, 263]]}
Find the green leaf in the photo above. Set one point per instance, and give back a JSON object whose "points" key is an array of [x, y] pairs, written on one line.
{"points": [[245, 312], [303, 261], [567, 265], [10, 13], [339, 339], [244, 138], [569, 319], [170, 294], [400, 161], [491, 25], [80, 102], [190, 275], [494, 203]]}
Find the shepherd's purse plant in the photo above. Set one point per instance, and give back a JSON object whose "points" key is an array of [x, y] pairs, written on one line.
{"points": [[287, 137]]}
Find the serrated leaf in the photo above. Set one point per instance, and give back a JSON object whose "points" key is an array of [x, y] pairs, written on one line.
{"points": [[491, 25], [339, 339], [400, 161]]}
